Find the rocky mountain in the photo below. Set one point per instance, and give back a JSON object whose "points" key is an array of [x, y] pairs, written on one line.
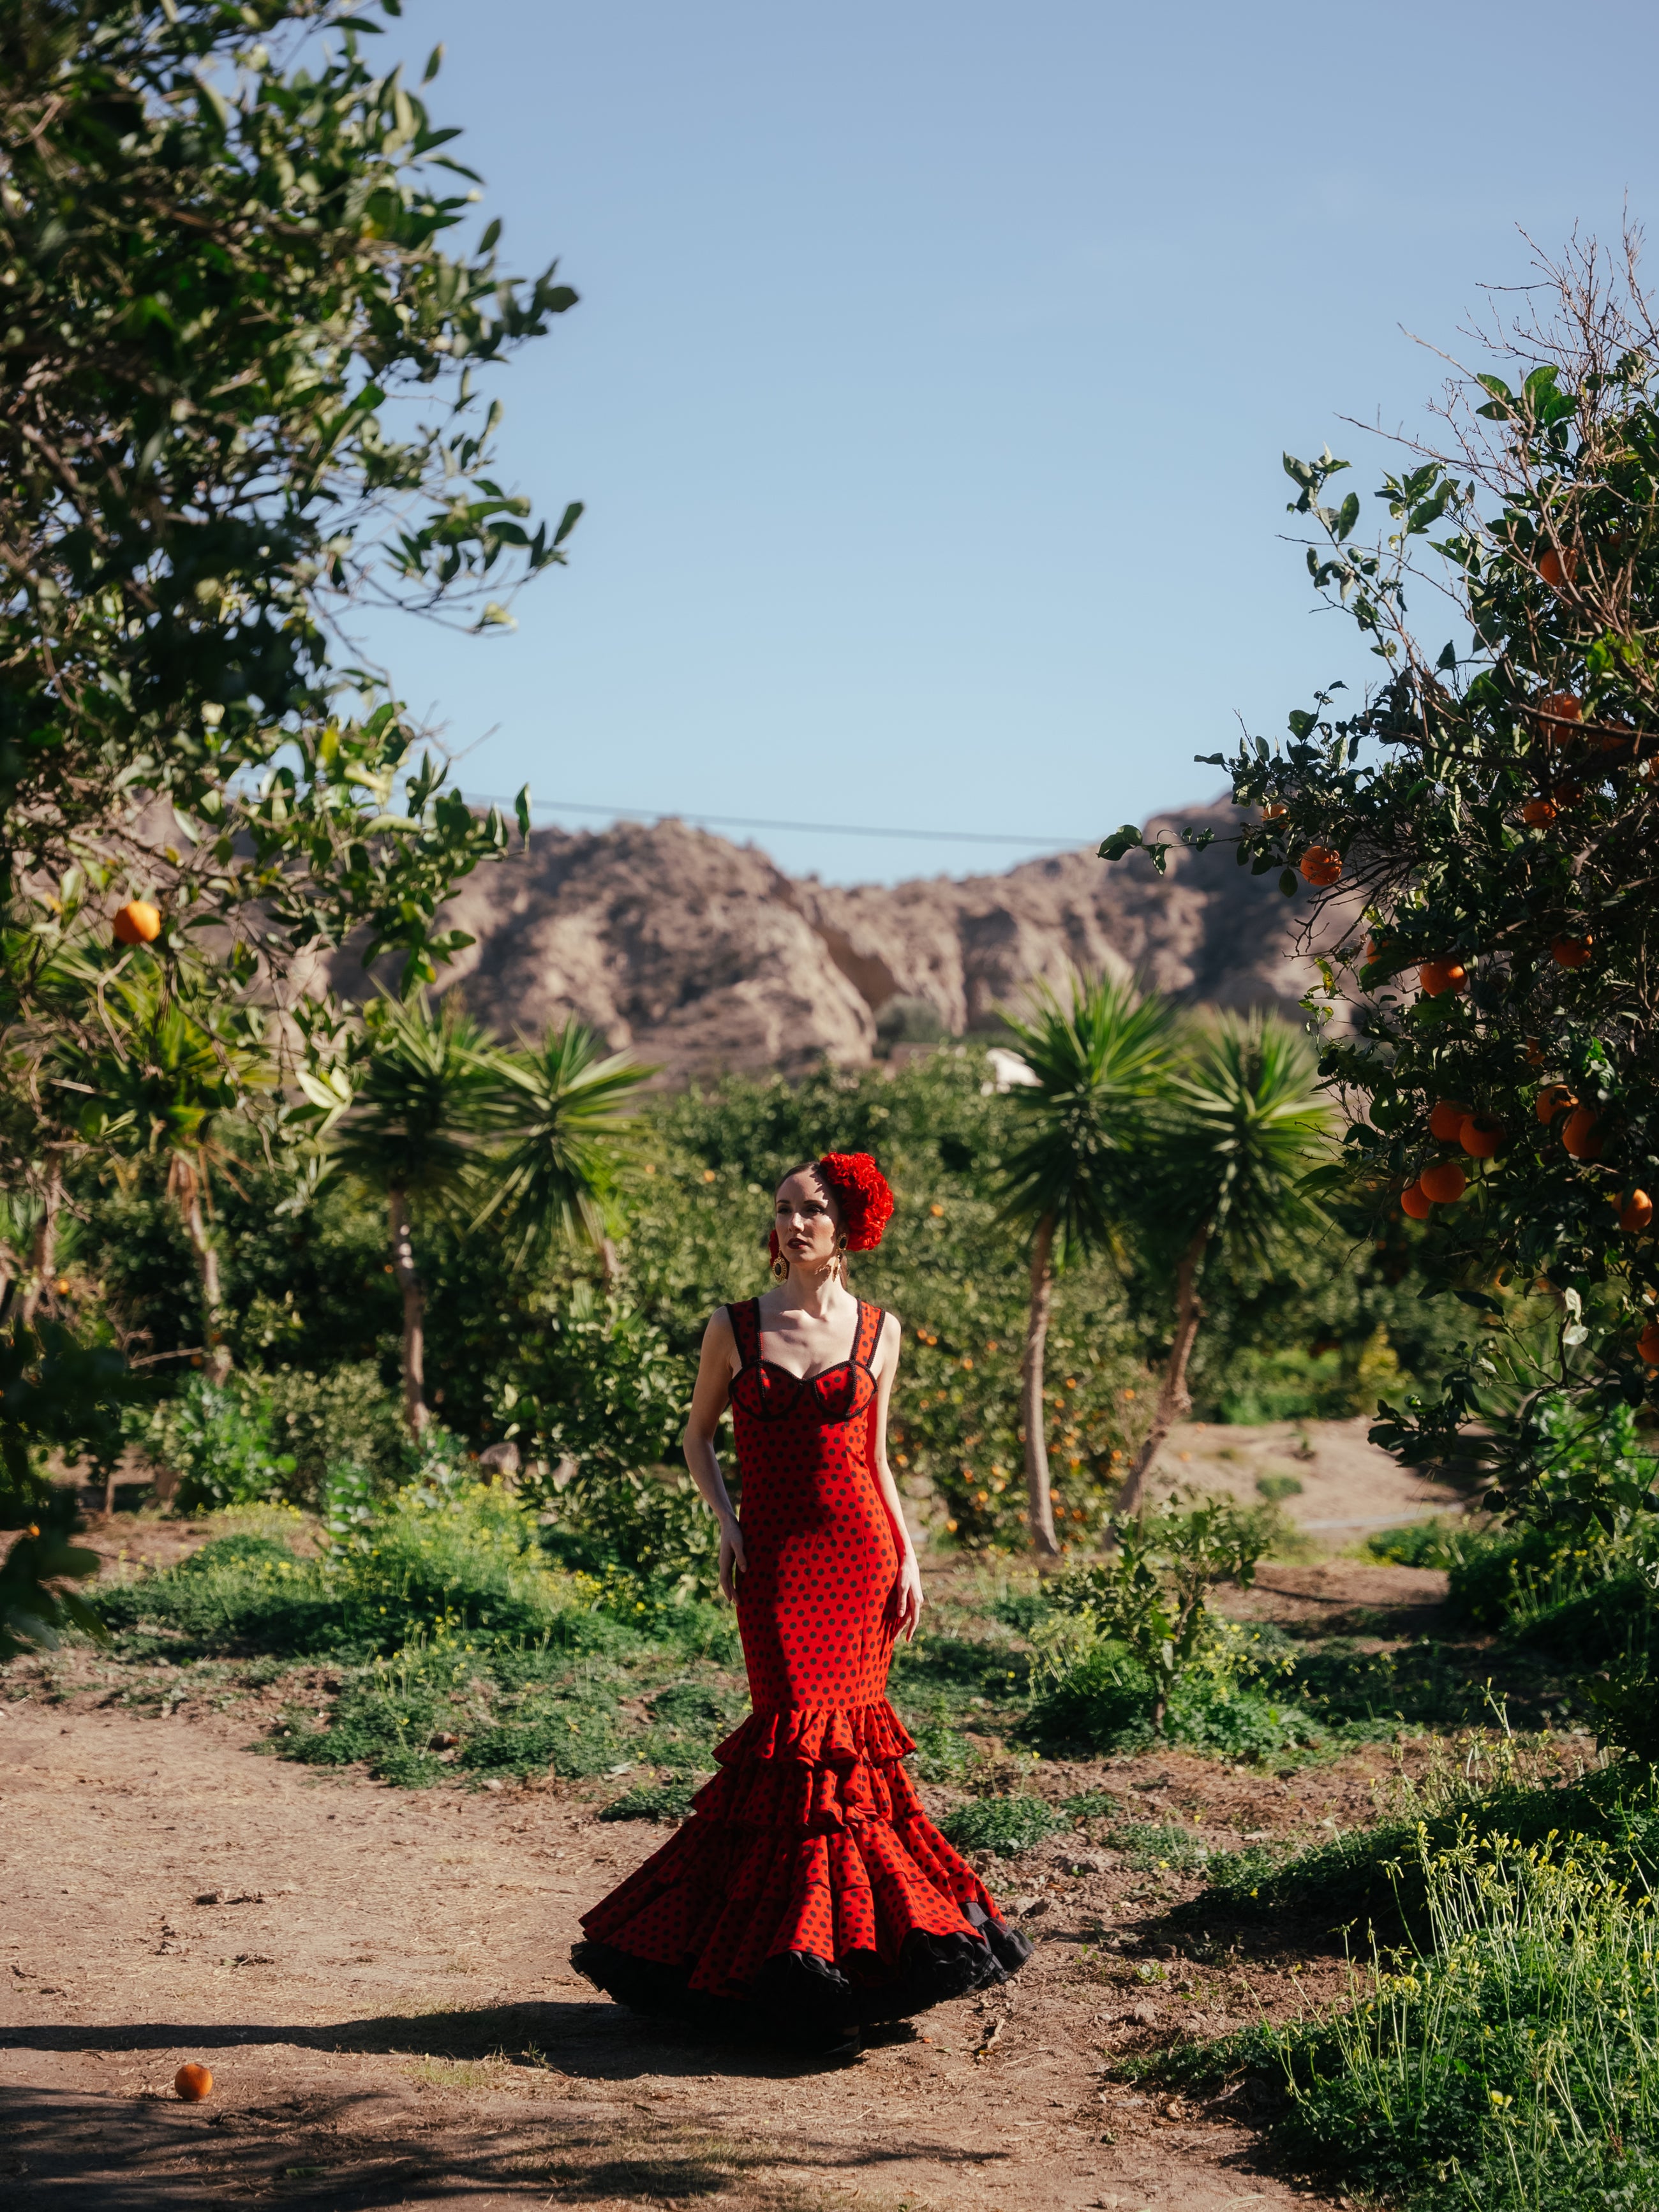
{"points": [[701, 955]]}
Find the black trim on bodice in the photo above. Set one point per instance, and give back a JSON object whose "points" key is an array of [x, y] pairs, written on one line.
{"points": [[775, 1391]]}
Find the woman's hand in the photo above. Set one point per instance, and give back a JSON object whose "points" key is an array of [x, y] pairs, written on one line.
{"points": [[907, 1600], [733, 1561]]}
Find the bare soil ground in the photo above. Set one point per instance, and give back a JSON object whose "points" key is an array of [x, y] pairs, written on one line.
{"points": [[379, 1979], [1347, 1485]]}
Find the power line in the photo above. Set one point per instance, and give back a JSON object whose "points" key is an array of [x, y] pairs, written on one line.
{"points": [[750, 822]]}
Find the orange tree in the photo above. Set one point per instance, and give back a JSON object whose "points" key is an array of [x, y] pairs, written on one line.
{"points": [[1480, 832], [240, 357]]}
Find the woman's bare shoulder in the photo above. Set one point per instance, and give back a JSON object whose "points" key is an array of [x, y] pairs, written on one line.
{"points": [[717, 1327], [892, 1331]]}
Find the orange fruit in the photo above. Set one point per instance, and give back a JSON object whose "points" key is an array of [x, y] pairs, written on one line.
{"points": [[1416, 1202], [1554, 1098], [1446, 1119], [138, 922], [1321, 866], [1647, 1344], [1437, 977], [1582, 1136], [1558, 567], [193, 2082], [1537, 813], [1554, 709], [1445, 1182], [1566, 794], [1480, 1136], [1534, 1052], [1271, 809], [1570, 951], [1636, 1212]]}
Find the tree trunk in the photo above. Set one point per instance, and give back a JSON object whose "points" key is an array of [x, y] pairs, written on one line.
{"points": [[43, 1250], [187, 1186], [1173, 1401], [408, 1282], [1040, 1506]]}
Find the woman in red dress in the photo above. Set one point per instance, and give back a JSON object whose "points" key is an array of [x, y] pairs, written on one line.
{"points": [[808, 1893]]}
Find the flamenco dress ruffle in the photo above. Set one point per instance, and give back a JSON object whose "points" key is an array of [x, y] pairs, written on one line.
{"points": [[808, 1884]]}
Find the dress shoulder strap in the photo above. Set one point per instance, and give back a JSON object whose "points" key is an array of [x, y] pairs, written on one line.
{"points": [[745, 1317], [869, 1336]]}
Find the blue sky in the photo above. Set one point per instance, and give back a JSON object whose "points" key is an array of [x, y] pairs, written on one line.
{"points": [[933, 368]]}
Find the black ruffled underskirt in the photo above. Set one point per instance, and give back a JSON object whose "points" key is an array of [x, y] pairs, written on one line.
{"points": [[806, 2002]]}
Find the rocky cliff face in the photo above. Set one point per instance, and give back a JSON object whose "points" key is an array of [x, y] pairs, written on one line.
{"points": [[702, 955]]}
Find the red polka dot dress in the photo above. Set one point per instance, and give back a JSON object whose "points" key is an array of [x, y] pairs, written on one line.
{"points": [[808, 1884]]}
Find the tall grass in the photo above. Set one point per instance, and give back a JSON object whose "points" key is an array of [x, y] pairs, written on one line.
{"points": [[1512, 2059]]}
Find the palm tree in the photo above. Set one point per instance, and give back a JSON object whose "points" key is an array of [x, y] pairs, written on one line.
{"points": [[422, 1102], [441, 1119], [1100, 1065], [557, 1109], [1243, 1127]]}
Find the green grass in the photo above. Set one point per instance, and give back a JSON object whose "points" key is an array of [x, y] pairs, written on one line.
{"points": [[1370, 1881], [1002, 1826], [1093, 1805], [943, 1755], [666, 1800], [457, 1653], [1103, 1702], [1508, 2060]]}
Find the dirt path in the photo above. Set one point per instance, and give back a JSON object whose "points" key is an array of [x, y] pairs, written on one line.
{"points": [[383, 1995]]}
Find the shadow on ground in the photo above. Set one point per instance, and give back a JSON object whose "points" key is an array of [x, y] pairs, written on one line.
{"points": [[384, 2147], [595, 2041]]}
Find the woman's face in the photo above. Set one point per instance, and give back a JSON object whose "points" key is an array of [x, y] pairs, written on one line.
{"points": [[808, 1224]]}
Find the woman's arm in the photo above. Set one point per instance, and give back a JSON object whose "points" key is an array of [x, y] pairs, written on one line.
{"points": [[907, 1601], [714, 1370]]}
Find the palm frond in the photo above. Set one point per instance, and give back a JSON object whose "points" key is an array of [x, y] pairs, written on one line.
{"points": [[560, 1106], [424, 1099], [1102, 1065], [1249, 1128]]}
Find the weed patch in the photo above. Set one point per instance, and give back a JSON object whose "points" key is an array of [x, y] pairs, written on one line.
{"points": [[1371, 1880], [1004, 1826], [1511, 2061], [667, 1800]]}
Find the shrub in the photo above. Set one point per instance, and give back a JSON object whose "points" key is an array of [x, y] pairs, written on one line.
{"points": [[432, 1566], [343, 1416], [647, 1527], [1005, 1826], [1419, 1543], [1151, 1847], [218, 1440], [1125, 1636], [1093, 1805]]}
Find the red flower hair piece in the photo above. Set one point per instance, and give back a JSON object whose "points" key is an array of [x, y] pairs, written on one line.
{"points": [[861, 1192]]}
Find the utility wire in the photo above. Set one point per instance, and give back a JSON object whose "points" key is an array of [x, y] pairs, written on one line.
{"points": [[749, 822]]}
